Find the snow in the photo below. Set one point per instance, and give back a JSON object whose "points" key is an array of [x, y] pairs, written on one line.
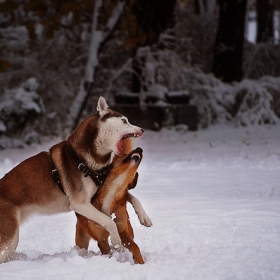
{"points": [[21, 100], [213, 196]]}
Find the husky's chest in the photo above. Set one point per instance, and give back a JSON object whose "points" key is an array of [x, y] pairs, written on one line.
{"points": [[89, 187]]}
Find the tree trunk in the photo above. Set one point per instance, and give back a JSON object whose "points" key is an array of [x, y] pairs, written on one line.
{"points": [[199, 6], [228, 49], [204, 6], [98, 37], [265, 21]]}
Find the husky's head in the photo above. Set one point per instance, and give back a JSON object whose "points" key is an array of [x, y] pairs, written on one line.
{"points": [[113, 128], [99, 135]]}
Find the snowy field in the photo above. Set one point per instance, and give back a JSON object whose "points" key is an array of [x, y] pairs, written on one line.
{"points": [[213, 197]]}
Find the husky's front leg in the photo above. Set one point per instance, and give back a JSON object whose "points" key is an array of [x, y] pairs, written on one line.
{"points": [[142, 215], [89, 211]]}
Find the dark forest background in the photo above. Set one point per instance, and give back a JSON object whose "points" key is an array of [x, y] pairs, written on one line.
{"points": [[58, 56]]}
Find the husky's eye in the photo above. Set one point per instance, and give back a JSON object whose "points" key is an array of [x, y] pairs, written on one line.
{"points": [[124, 121]]}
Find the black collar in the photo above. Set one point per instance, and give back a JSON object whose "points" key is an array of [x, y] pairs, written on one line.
{"points": [[55, 175], [97, 176]]}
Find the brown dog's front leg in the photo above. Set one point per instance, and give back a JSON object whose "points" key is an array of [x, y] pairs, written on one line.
{"points": [[126, 234], [132, 247], [142, 215]]}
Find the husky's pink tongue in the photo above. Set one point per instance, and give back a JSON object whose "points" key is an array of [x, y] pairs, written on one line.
{"points": [[120, 147]]}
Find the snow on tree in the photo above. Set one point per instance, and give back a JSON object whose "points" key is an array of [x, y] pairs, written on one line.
{"points": [[19, 109], [165, 71], [262, 60], [253, 101], [173, 64], [248, 102]]}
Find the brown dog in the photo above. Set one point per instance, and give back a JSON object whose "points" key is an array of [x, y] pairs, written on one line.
{"points": [[111, 199], [30, 187]]}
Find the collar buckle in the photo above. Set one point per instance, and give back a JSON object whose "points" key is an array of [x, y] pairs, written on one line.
{"points": [[84, 169]]}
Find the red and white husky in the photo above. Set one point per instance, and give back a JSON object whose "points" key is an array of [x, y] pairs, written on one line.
{"points": [[30, 188]]}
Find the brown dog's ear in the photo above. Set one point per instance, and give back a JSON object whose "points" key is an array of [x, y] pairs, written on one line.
{"points": [[133, 184]]}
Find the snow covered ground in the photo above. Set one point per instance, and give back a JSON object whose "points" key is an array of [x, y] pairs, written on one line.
{"points": [[213, 196]]}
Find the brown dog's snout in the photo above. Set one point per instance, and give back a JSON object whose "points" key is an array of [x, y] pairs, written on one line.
{"points": [[138, 150], [136, 155]]}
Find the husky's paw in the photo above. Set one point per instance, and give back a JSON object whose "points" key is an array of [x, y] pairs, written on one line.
{"points": [[124, 256], [118, 248]]}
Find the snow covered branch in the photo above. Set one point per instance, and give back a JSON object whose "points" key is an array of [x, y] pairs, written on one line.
{"points": [[98, 37], [113, 20]]}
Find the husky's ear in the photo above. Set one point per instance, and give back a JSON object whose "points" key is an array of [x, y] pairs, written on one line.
{"points": [[102, 106]]}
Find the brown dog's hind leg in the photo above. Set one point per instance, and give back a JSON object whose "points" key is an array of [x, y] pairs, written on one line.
{"points": [[86, 230], [9, 233], [82, 239]]}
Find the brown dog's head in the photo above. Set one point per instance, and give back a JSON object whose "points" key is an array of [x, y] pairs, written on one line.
{"points": [[124, 174], [127, 166], [121, 178], [135, 158]]}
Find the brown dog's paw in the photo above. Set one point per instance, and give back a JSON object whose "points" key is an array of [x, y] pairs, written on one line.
{"points": [[146, 221], [139, 261]]}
